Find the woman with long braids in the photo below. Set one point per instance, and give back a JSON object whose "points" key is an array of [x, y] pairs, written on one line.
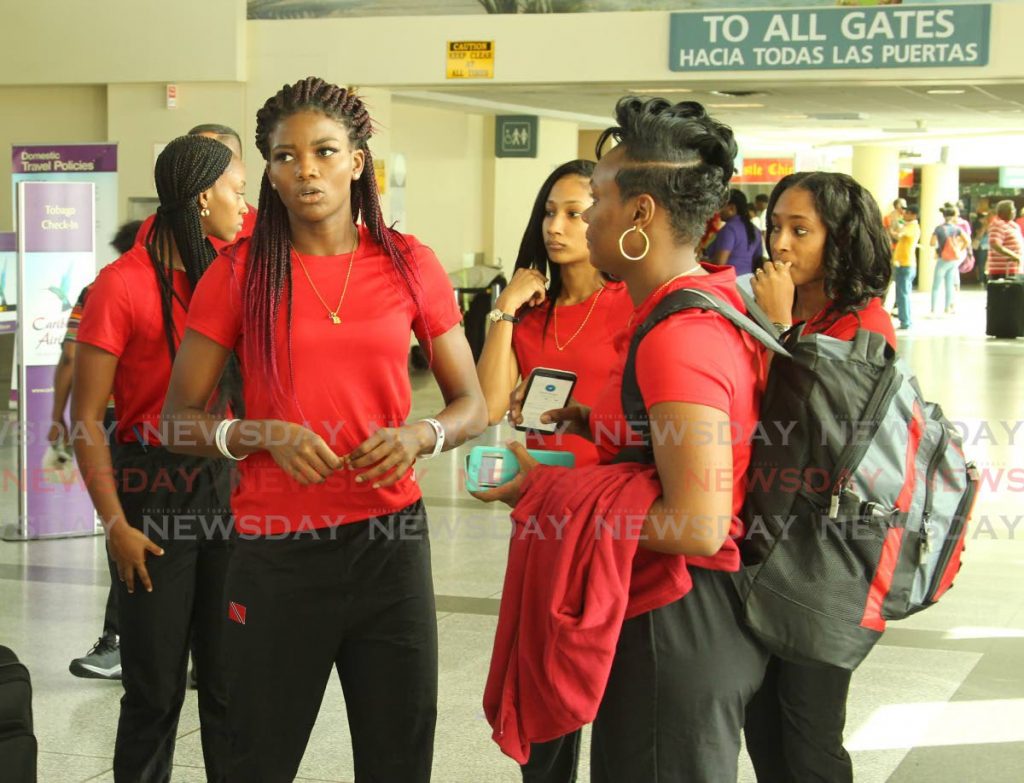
{"points": [[558, 311], [331, 566], [164, 514]]}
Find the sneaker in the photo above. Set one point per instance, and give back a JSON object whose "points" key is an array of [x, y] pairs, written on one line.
{"points": [[102, 662]]}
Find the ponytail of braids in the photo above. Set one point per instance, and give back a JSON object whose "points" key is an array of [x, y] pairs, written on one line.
{"points": [[185, 168]]}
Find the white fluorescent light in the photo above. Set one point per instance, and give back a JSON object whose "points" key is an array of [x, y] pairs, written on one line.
{"points": [[946, 91]]}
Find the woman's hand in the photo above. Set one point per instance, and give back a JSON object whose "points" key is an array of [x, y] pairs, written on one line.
{"points": [[510, 492], [391, 451], [58, 433], [128, 547], [574, 419], [300, 452], [774, 291], [527, 287]]}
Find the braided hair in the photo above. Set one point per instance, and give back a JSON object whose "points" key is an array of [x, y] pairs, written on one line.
{"points": [[185, 168], [269, 270], [678, 154]]}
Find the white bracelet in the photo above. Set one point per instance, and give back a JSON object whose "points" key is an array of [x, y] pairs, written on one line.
{"points": [[439, 435], [220, 439]]}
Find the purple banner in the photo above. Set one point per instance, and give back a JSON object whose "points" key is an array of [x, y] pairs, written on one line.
{"points": [[63, 158], [8, 242], [58, 217], [56, 502], [8, 327]]}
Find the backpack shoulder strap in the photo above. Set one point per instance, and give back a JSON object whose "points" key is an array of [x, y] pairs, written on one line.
{"points": [[687, 299]]}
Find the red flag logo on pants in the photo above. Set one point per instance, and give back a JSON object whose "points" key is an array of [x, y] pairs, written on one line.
{"points": [[236, 613]]}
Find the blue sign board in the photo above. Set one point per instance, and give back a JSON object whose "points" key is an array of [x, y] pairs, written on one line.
{"points": [[923, 36]]}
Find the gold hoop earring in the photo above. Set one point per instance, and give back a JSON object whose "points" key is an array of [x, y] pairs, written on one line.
{"points": [[647, 244], [205, 212]]}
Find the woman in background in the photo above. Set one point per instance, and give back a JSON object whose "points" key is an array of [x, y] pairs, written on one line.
{"points": [[558, 311], [738, 243], [830, 267]]}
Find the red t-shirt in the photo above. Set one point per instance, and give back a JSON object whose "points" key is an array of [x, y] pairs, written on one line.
{"points": [[591, 355], [844, 326], [693, 357], [124, 317], [248, 224], [350, 379]]}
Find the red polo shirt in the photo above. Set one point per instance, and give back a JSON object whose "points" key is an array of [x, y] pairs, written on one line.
{"points": [[124, 317], [590, 354], [693, 357], [350, 379]]}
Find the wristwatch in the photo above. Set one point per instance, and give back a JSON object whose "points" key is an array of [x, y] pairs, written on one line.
{"points": [[499, 315], [439, 442]]}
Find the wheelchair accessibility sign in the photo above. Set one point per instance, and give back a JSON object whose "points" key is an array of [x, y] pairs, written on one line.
{"points": [[515, 137]]}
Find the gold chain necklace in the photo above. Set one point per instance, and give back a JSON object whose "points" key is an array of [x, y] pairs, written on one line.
{"points": [[333, 314], [575, 334], [696, 268]]}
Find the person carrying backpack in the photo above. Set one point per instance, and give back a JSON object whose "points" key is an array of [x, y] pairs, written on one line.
{"points": [[684, 665], [830, 267], [951, 244]]}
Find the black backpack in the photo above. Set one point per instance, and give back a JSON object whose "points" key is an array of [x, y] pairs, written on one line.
{"points": [[858, 514], [18, 748]]}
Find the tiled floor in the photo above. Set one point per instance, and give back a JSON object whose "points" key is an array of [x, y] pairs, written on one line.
{"points": [[941, 699]]}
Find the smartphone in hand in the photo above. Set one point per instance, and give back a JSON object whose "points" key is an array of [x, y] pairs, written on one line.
{"points": [[547, 390]]}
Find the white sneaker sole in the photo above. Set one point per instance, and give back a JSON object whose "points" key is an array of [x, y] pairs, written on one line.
{"points": [[95, 672]]}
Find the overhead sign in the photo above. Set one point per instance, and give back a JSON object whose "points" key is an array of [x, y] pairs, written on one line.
{"points": [[95, 163], [932, 36], [763, 171], [515, 136], [470, 60]]}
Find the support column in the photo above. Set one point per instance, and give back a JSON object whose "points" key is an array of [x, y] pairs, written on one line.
{"points": [[940, 182], [878, 170]]}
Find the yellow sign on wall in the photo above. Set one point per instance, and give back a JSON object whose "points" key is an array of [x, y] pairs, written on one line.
{"points": [[470, 60]]}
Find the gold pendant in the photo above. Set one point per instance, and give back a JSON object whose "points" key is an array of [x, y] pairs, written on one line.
{"points": [[335, 319]]}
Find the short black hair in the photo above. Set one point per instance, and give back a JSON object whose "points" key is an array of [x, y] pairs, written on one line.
{"points": [[858, 252], [124, 239], [217, 130], [678, 155], [761, 198]]}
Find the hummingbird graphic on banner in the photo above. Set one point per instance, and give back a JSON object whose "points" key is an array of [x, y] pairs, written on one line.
{"points": [[61, 292]]}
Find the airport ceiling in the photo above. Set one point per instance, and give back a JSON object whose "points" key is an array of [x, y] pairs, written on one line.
{"points": [[822, 113]]}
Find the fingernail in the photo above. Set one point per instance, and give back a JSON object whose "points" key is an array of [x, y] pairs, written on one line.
{"points": [[359, 479], [376, 486]]}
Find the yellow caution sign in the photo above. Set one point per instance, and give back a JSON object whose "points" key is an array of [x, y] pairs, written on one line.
{"points": [[470, 60]]}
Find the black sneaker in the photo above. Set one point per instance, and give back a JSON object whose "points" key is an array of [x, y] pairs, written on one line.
{"points": [[102, 662]]}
